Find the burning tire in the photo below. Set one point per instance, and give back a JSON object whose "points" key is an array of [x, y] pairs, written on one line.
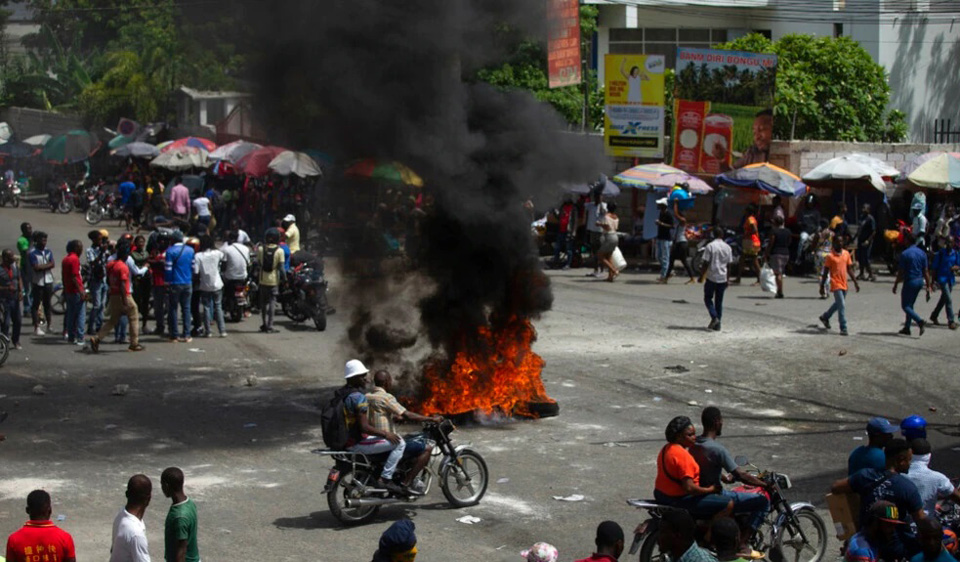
{"points": [[346, 488], [464, 481]]}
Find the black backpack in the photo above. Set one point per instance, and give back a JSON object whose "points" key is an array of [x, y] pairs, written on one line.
{"points": [[98, 269], [333, 420], [268, 257]]}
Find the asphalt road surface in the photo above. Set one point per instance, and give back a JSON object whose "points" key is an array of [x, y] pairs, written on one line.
{"points": [[240, 416]]}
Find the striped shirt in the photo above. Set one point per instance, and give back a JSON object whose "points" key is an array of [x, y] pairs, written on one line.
{"points": [[383, 408]]}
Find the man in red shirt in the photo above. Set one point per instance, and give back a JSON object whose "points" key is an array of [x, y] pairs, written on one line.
{"points": [[609, 543], [39, 540], [121, 301], [76, 317]]}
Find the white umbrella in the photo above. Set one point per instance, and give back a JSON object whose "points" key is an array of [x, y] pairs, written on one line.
{"points": [[297, 163], [845, 168], [137, 150], [234, 151], [37, 140], [879, 166], [182, 158]]}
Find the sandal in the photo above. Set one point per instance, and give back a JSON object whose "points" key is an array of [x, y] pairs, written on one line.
{"points": [[137, 347]]}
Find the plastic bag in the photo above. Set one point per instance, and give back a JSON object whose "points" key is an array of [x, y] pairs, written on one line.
{"points": [[618, 260], [768, 281]]}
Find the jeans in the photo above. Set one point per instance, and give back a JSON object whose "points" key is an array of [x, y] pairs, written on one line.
{"points": [[212, 308], [713, 298], [159, 305], [98, 300], [42, 294], [840, 307], [178, 296], [663, 254], [75, 321], [268, 301], [945, 300], [374, 445], [120, 331], [564, 244], [27, 290], [700, 507], [755, 504], [11, 313], [911, 290]]}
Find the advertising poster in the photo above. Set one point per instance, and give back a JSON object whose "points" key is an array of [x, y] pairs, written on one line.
{"points": [[563, 42], [633, 120], [723, 108]]}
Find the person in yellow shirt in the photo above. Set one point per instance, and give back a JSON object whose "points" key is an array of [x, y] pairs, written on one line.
{"points": [[289, 226], [270, 257]]}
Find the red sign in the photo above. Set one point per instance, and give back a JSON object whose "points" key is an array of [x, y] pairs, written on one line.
{"points": [[688, 140], [563, 42]]}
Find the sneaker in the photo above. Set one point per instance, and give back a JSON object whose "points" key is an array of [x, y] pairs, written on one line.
{"points": [[952, 325], [391, 487], [713, 323], [205, 335], [593, 274], [172, 340], [905, 331], [565, 268], [417, 486], [186, 340], [263, 329], [272, 331], [223, 334], [79, 343], [17, 346], [38, 331], [844, 333], [923, 325], [825, 321], [779, 296], [716, 327], [934, 321]]}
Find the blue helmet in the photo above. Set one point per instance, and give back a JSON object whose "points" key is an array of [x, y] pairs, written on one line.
{"points": [[914, 427]]}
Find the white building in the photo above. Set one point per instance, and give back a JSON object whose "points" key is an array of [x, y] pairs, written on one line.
{"points": [[204, 108], [916, 41]]}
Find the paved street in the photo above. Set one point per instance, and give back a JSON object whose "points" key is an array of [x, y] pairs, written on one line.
{"points": [[239, 416]]}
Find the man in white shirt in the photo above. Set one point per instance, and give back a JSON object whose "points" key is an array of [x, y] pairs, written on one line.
{"points": [[593, 212], [717, 256], [202, 205], [932, 485], [206, 265], [129, 542]]}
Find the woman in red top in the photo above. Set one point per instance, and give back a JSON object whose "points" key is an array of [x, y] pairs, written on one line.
{"points": [[678, 475]]}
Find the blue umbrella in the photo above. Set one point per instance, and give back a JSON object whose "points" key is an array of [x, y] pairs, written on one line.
{"points": [[765, 177]]}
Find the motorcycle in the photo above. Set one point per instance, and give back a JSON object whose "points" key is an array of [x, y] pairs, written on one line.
{"points": [[351, 488], [85, 193], [304, 295], [10, 193], [61, 199], [102, 205], [236, 298], [789, 531]]}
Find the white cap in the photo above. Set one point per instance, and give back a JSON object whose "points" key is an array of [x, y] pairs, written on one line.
{"points": [[662, 201], [354, 368], [289, 218]]}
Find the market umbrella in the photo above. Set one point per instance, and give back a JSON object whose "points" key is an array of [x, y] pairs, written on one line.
{"points": [[297, 163], [384, 170], [164, 144], [660, 177], [120, 140], [70, 148], [319, 157], [939, 172], [234, 151], [882, 169], [843, 169], [194, 142], [182, 158], [37, 140], [137, 150], [766, 177], [918, 161], [192, 182], [257, 163], [17, 149], [610, 189]]}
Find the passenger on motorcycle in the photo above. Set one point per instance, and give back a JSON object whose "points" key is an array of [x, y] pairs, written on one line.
{"points": [[913, 427], [932, 485], [677, 537], [364, 437], [713, 458], [879, 433], [678, 476], [384, 408], [879, 530]]}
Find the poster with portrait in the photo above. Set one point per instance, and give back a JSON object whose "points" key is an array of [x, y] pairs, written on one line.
{"points": [[723, 109], [633, 98]]}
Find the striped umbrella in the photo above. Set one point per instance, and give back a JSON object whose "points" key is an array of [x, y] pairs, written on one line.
{"points": [[939, 172], [195, 142], [918, 161], [660, 177], [766, 177], [70, 148], [384, 170]]}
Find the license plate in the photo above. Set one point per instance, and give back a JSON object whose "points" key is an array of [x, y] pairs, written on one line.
{"points": [[16, 191], [333, 476]]}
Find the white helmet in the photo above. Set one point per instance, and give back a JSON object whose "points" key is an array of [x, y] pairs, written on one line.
{"points": [[354, 368]]}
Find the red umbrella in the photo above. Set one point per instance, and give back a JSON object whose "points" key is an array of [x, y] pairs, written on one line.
{"points": [[195, 142], [257, 163]]}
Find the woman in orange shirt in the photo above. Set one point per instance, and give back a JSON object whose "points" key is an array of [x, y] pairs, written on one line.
{"points": [[678, 476]]}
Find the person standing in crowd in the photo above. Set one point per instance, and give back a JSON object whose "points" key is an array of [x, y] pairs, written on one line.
{"points": [[126, 189], [879, 433], [180, 528], [593, 210], [680, 249], [751, 243], [822, 244], [717, 256], [838, 224], [136, 272], [11, 293], [778, 252], [566, 227], [178, 277], [39, 534], [678, 538], [180, 200], [158, 287], [914, 274], [609, 240], [202, 206], [129, 538], [919, 224], [946, 263], [97, 255], [665, 223], [837, 267], [237, 264], [120, 302], [609, 543], [41, 264], [866, 233], [271, 258], [878, 530], [73, 293], [289, 225], [398, 543], [141, 287], [207, 265], [777, 210], [26, 275]]}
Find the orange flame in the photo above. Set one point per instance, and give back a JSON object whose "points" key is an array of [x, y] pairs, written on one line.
{"points": [[499, 373]]}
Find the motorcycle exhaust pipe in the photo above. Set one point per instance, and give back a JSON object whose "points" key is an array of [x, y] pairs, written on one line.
{"points": [[368, 502]]}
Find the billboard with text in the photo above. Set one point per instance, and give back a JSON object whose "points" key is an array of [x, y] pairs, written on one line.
{"points": [[633, 98]]}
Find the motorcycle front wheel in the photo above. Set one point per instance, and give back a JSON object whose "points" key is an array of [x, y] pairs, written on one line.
{"points": [[320, 316], [465, 482], [64, 206], [94, 214], [344, 489], [59, 303], [811, 546], [5, 346]]}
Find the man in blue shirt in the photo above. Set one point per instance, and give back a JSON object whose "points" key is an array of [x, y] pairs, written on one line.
{"points": [[915, 276], [946, 262], [178, 276], [930, 532], [879, 433]]}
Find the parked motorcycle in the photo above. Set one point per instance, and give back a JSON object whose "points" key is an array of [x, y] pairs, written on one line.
{"points": [[10, 193], [102, 205], [237, 298], [791, 531], [85, 193], [353, 495], [304, 295], [61, 199]]}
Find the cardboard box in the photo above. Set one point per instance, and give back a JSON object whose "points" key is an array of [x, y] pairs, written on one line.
{"points": [[845, 511]]}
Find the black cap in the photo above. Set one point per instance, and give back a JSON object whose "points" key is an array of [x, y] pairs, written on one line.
{"points": [[608, 533]]}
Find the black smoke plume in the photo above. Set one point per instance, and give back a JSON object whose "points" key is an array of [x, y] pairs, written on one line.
{"points": [[392, 80]]}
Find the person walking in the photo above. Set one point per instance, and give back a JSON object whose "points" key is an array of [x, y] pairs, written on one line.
{"points": [[202, 205], [866, 233], [271, 260], [778, 252], [838, 266], [121, 301], [11, 294], [593, 210], [717, 257], [73, 292], [41, 264], [665, 223], [914, 274], [178, 276], [609, 240], [751, 243], [946, 263], [207, 264], [24, 244], [180, 527], [680, 250], [97, 255], [39, 534], [129, 539]]}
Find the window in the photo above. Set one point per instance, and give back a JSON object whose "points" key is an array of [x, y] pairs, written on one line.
{"points": [[665, 40], [837, 30]]}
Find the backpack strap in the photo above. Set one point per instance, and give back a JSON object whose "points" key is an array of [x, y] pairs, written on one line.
{"points": [[663, 466]]}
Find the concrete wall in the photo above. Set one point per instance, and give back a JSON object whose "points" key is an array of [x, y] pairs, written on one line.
{"points": [[802, 156], [28, 122]]}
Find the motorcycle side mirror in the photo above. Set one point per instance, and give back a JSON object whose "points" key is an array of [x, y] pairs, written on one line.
{"points": [[741, 460]]}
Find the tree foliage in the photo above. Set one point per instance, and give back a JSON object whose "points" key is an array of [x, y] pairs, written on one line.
{"points": [[827, 89]]}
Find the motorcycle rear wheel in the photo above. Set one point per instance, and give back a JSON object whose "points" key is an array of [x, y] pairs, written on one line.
{"points": [[5, 346], [64, 206], [59, 302], [93, 215], [789, 545], [650, 550], [453, 483], [337, 496]]}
